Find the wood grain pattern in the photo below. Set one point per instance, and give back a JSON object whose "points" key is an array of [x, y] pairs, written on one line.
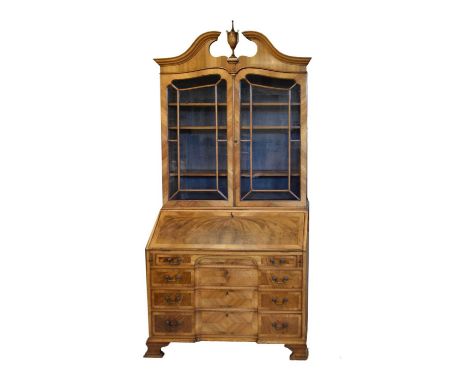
{"points": [[226, 298], [281, 279], [226, 277], [227, 323], [170, 299], [233, 230], [280, 300], [173, 323]]}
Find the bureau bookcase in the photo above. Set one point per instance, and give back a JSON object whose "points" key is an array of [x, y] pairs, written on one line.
{"points": [[227, 259]]}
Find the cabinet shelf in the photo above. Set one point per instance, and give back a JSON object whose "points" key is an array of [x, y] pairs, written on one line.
{"points": [[260, 127], [255, 174], [200, 104], [197, 128], [270, 104]]}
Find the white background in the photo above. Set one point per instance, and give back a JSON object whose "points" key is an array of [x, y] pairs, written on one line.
{"points": [[80, 175]]}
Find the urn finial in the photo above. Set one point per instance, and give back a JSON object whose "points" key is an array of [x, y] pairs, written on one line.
{"points": [[233, 39]]}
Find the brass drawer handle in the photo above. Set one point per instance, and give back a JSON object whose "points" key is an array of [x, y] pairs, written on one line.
{"points": [[173, 260], [275, 262], [172, 279], [173, 323], [284, 280], [279, 325], [277, 301], [172, 301]]}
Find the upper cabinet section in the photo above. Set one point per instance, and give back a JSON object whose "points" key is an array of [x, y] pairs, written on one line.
{"points": [[198, 56], [234, 129]]}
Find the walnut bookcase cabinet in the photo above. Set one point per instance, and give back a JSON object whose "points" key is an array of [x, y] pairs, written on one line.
{"points": [[227, 259]]}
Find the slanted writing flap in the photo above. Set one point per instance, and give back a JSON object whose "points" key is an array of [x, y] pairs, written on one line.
{"points": [[229, 230]]}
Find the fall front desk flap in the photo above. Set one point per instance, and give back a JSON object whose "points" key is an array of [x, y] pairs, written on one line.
{"points": [[229, 230]]}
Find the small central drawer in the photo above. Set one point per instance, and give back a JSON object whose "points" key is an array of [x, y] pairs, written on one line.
{"points": [[226, 276], [227, 323], [171, 277], [226, 298]]}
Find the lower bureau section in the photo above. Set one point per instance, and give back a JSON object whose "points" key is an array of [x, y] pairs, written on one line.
{"points": [[227, 323]]}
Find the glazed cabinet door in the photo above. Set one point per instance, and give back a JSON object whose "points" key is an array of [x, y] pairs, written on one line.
{"points": [[197, 138], [270, 139]]}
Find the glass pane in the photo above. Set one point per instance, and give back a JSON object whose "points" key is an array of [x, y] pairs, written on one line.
{"points": [[270, 138], [197, 147]]}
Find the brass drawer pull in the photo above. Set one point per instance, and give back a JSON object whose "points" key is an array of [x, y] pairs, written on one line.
{"points": [[173, 260], [277, 301], [173, 301], [279, 325], [172, 279], [173, 323], [274, 261], [277, 281]]}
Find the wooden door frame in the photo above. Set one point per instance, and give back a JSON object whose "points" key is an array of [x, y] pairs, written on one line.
{"points": [[165, 80], [301, 79]]}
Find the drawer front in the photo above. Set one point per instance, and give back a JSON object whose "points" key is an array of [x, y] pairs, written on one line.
{"points": [[282, 325], [170, 277], [227, 323], [171, 299], [281, 261], [281, 279], [172, 323], [223, 298], [280, 300], [173, 260], [227, 277]]}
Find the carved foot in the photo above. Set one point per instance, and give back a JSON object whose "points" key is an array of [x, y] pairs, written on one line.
{"points": [[154, 349], [299, 351]]}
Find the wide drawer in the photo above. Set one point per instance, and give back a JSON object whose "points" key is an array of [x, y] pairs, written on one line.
{"points": [[171, 298], [172, 323], [171, 277], [226, 298], [280, 300], [226, 276], [227, 323], [283, 325], [281, 278]]}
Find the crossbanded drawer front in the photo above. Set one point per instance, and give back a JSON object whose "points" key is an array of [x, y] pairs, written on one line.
{"points": [[171, 299], [173, 260], [281, 261], [281, 278], [282, 325], [225, 298], [172, 323], [280, 300], [170, 277], [227, 277], [227, 323]]}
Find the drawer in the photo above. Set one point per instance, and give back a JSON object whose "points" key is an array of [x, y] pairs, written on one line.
{"points": [[227, 323], [281, 278], [226, 298], [172, 323], [171, 298], [282, 261], [283, 325], [226, 276], [280, 300], [171, 277], [172, 260]]}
